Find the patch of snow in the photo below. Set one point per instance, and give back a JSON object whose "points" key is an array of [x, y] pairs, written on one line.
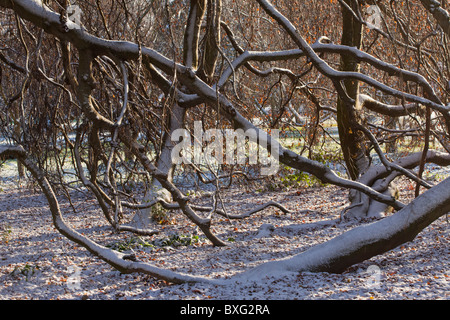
{"points": [[64, 270]]}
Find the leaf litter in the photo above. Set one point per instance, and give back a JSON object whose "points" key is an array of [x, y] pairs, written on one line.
{"points": [[36, 262]]}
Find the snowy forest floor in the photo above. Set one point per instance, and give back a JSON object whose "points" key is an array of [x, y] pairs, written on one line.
{"points": [[36, 262]]}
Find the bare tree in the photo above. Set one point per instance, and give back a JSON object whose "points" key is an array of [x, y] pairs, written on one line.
{"points": [[111, 93]]}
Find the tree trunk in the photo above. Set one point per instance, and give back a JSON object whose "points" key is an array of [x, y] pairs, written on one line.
{"points": [[334, 256], [205, 69], [176, 113], [165, 165], [380, 178], [17, 134], [348, 116]]}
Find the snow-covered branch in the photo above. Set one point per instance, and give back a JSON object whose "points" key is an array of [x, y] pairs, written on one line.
{"points": [[363, 242], [123, 262], [337, 76], [440, 14], [365, 101]]}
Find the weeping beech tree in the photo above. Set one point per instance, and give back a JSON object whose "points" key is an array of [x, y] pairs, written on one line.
{"points": [[203, 62], [105, 97], [348, 114]]}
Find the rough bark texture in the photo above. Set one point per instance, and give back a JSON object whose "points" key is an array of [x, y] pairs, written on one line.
{"points": [[212, 42], [351, 138]]}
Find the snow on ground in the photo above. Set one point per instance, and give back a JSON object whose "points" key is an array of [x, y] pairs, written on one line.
{"points": [[36, 262]]}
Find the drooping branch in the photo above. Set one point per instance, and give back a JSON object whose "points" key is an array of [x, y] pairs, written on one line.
{"points": [[322, 258], [41, 16], [203, 223], [184, 100], [84, 89], [337, 76], [245, 56], [286, 156], [440, 14], [87, 44], [12, 64], [365, 101], [333, 256], [103, 200], [364, 242], [245, 214], [359, 56], [125, 263]]}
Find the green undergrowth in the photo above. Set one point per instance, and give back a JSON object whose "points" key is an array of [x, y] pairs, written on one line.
{"points": [[137, 243], [27, 271]]}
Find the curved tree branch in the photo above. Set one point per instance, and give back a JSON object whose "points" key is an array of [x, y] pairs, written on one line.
{"points": [[363, 242], [440, 14]]}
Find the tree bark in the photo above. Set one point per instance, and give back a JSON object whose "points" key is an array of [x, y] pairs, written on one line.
{"points": [[364, 242], [210, 55], [439, 13], [143, 218], [334, 256], [176, 113], [348, 116]]}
